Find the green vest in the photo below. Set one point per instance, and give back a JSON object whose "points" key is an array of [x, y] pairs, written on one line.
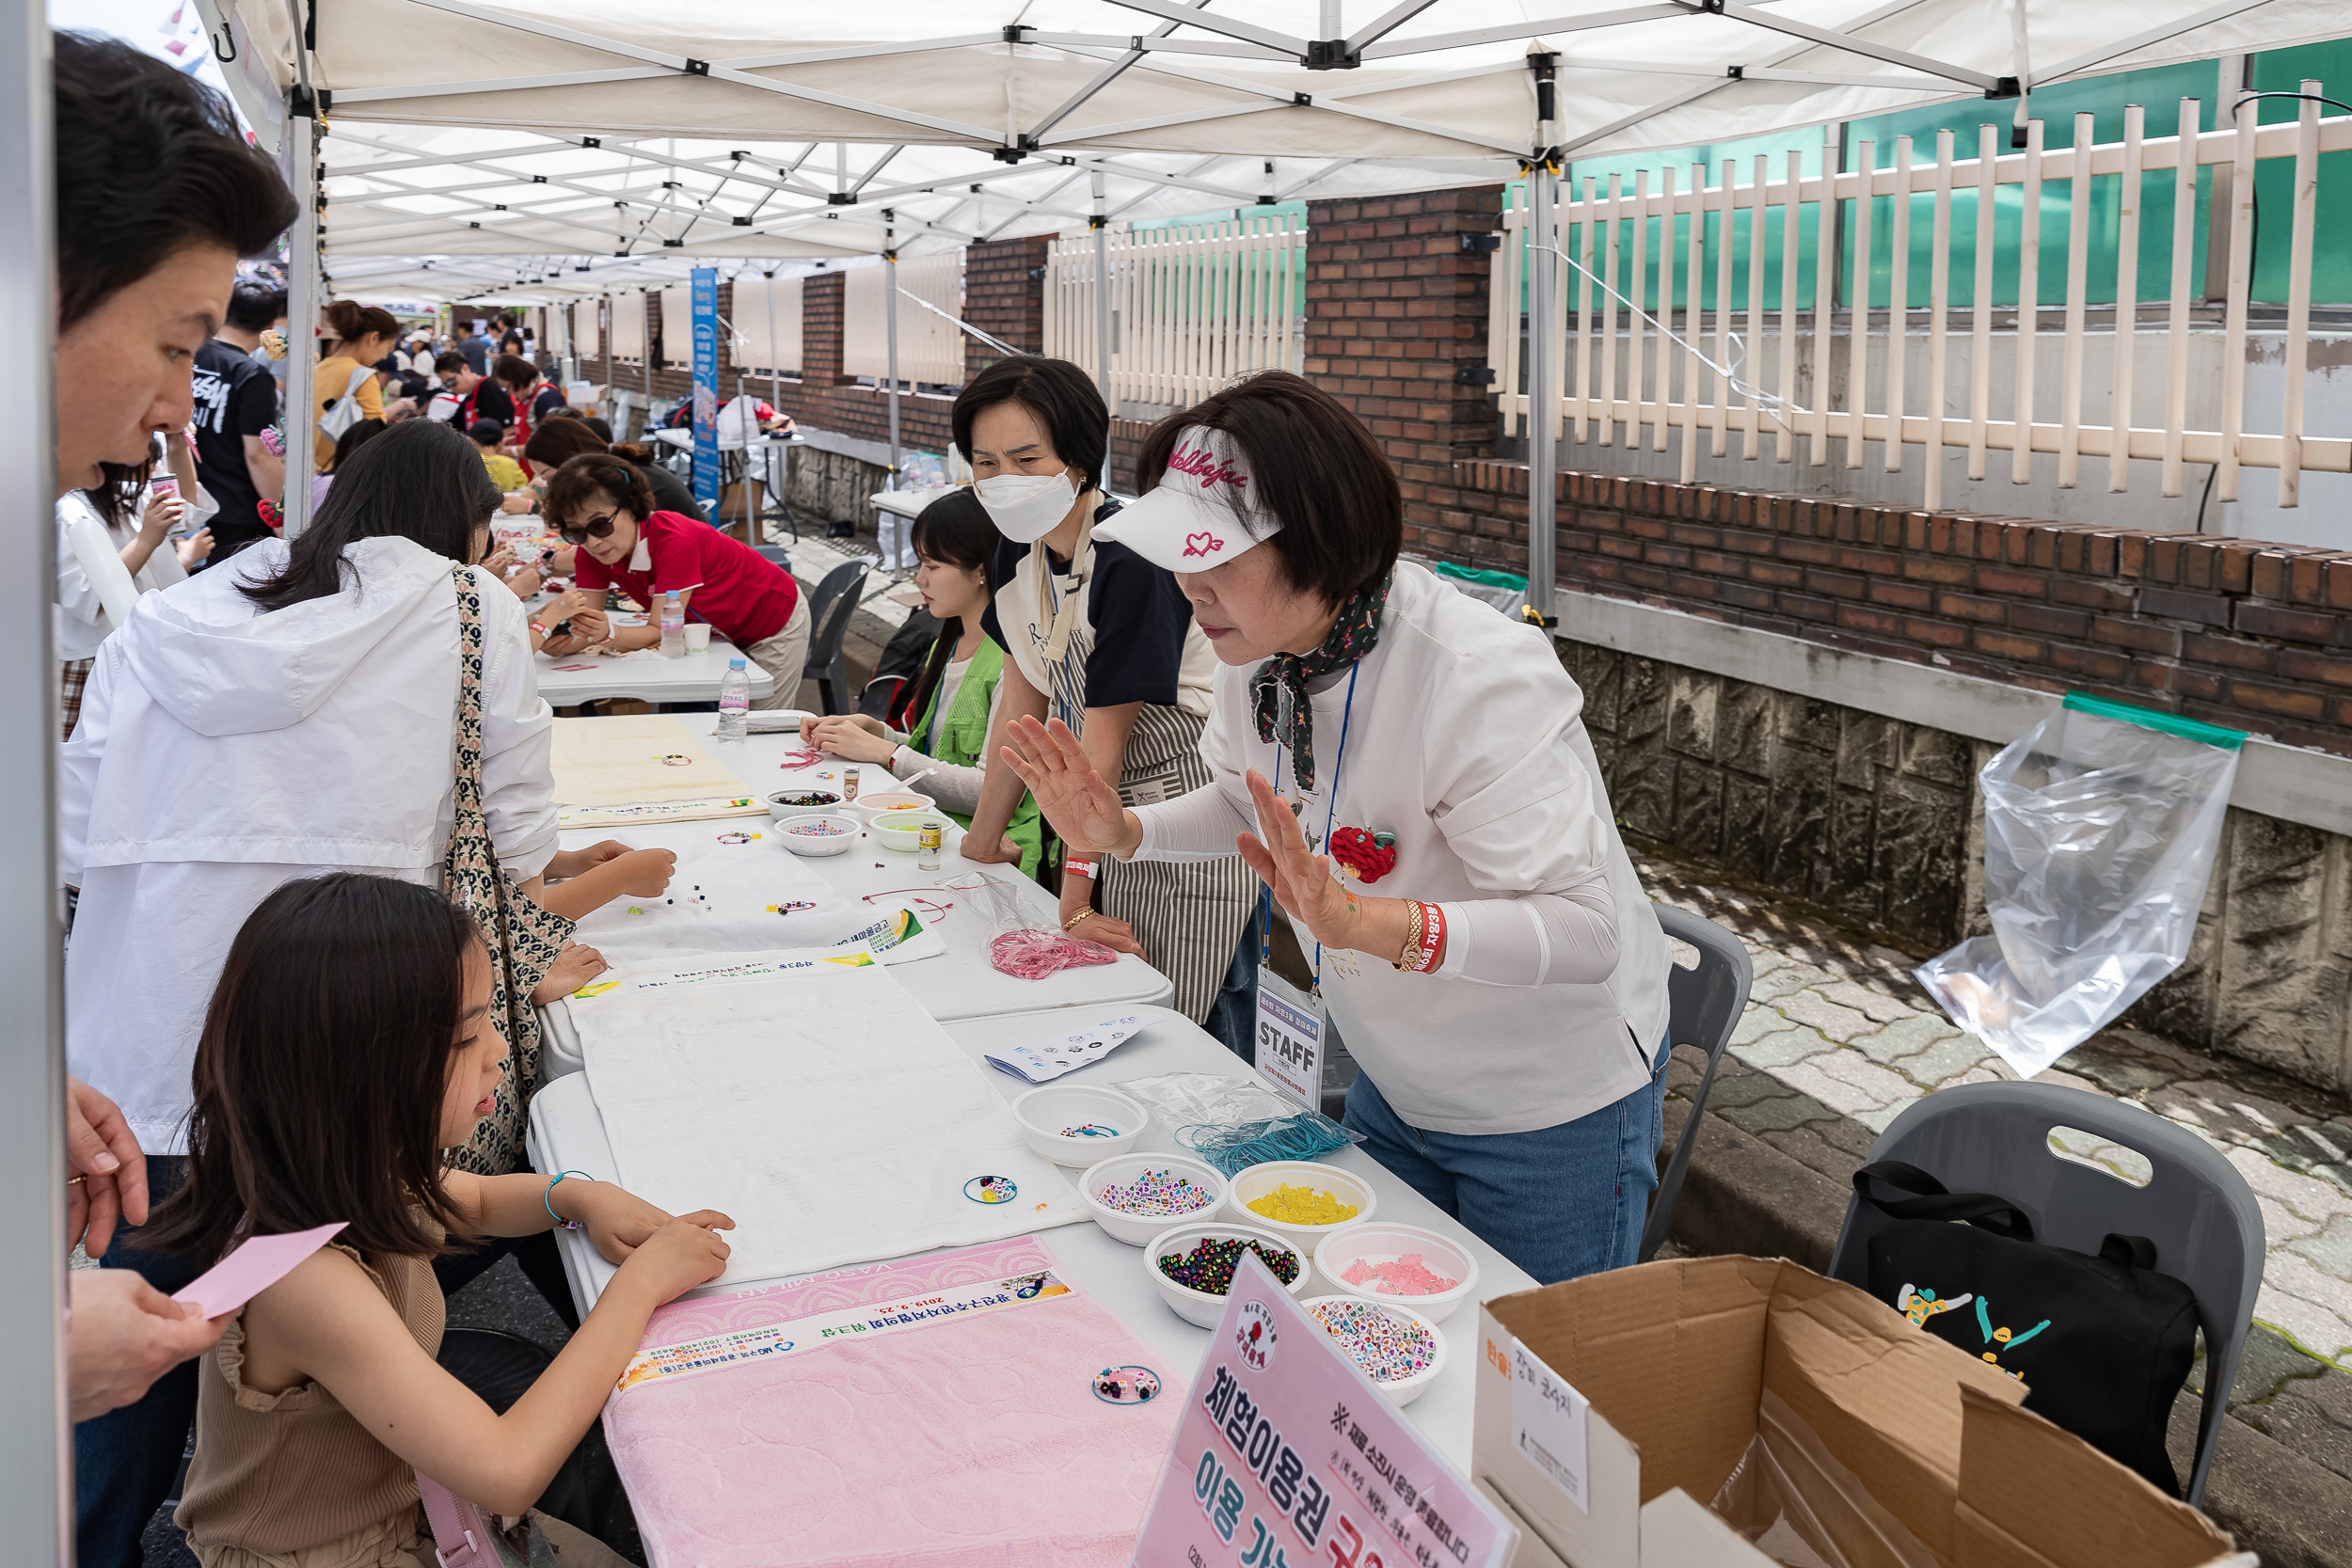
{"points": [[963, 737]]}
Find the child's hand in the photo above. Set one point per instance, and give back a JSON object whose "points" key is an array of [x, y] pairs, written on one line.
{"points": [[681, 1254], [617, 1220], [645, 872], [574, 968]]}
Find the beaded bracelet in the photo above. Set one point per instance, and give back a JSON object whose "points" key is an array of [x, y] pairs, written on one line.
{"points": [[547, 1200]]}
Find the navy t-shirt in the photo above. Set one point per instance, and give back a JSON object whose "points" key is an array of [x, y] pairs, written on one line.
{"points": [[1135, 619]]}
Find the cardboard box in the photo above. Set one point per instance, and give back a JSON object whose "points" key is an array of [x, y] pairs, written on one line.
{"points": [[1675, 1359]]}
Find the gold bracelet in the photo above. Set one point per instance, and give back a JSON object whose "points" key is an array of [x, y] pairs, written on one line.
{"points": [[1409, 958], [1074, 921]]}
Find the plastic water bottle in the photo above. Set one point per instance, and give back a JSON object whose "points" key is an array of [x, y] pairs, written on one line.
{"points": [[735, 701], [672, 627]]}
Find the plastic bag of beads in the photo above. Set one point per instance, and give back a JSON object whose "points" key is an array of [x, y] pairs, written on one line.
{"points": [[1019, 945], [1235, 1123]]}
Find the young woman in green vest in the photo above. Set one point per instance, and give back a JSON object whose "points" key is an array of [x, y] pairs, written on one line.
{"points": [[955, 695]]}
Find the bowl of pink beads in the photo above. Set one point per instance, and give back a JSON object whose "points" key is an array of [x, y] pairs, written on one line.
{"points": [[1377, 1260], [1136, 1197]]}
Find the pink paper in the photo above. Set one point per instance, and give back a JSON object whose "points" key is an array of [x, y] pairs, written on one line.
{"points": [[259, 1262], [976, 1442]]}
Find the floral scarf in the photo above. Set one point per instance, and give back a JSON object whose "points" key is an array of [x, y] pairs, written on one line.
{"points": [[1353, 635]]}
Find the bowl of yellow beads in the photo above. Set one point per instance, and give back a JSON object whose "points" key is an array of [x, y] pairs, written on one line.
{"points": [[1299, 1200]]}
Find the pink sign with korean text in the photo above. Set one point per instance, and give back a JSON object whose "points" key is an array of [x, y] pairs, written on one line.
{"points": [[1288, 1457]]}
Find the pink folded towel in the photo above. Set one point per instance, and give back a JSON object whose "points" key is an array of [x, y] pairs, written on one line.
{"points": [[962, 1429]]}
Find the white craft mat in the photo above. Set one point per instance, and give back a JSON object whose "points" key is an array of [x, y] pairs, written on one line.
{"points": [[610, 762], [719, 898], [821, 1107]]}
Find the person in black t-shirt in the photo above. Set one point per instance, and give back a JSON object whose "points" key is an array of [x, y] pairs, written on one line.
{"points": [[478, 397], [236, 399]]}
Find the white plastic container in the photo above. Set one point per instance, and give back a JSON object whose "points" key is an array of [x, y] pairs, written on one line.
{"points": [[903, 829], [1382, 1242], [1121, 1169], [878, 801], [1258, 1180], [845, 832], [1404, 1390], [1043, 1113], [1198, 1307]]}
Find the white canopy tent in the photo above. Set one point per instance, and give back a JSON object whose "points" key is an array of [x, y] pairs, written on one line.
{"points": [[1145, 97]]}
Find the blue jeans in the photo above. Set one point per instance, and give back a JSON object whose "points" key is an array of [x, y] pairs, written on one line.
{"points": [[1558, 1201], [1233, 1019], [125, 1461]]}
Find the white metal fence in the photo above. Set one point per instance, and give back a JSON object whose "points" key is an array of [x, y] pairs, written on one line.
{"points": [[1192, 307], [1772, 373], [767, 321], [930, 347]]}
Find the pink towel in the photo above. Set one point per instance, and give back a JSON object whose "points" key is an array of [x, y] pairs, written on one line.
{"points": [[975, 1441]]}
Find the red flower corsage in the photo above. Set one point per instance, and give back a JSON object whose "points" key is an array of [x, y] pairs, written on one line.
{"points": [[1370, 856]]}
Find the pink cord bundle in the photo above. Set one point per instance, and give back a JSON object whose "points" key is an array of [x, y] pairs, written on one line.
{"points": [[1032, 954], [808, 756]]}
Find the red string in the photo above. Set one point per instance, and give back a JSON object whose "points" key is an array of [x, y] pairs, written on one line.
{"points": [[808, 756], [1033, 955]]}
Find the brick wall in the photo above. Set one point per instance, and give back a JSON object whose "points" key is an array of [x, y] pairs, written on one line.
{"points": [[1004, 295]]}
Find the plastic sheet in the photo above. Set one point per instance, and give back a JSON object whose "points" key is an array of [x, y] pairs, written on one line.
{"points": [[1020, 947], [2101, 826], [1791, 1498], [1235, 1123]]}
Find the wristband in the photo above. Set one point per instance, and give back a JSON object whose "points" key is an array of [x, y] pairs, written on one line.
{"points": [[1432, 937], [547, 1200], [1077, 865], [541, 629]]}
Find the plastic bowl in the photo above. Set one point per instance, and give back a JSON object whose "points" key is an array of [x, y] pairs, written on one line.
{"points": [[1198, 1307], [842, 832], [1404, 1390], [1380, 1242], [796, 802], [1121, 1169], [1258, 1180], [1043, 1113], [878, 801], [903, 829]]}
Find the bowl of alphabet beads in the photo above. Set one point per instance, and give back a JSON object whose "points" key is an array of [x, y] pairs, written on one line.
{"points": [[1300, 1201], [1400, 1350], [1136, 1197], [1193, 1265], [1380, 1261], [1077, 1124], [819, 833]]}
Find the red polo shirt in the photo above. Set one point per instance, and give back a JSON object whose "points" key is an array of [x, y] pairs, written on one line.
{"points": [[745, 596]]}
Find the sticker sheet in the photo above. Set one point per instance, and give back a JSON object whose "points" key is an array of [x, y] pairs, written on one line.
{"points": [[1043, 1060]]}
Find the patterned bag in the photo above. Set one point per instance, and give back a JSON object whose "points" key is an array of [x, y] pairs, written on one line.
{"points": [[523, 938]]}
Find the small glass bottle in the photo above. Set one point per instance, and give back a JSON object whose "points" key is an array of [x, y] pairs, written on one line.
{"points": [[928, 843]]}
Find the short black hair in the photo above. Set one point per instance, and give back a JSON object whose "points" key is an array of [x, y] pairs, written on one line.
{"points": [[420, 479], [449, 360], [576, 483], [1063, 398], [486, 433], [515, 370], [255, 305], [148, 163], [1314, 465]]}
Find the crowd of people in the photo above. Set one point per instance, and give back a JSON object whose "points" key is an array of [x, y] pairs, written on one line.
{"points": [[306, 810]]}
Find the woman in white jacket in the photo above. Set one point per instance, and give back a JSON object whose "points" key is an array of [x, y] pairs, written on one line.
{"points": [[133, 513]]}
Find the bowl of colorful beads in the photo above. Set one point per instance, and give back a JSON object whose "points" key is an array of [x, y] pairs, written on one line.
{"points": [[1299, 1200], [903, 829], [1382, 1261], [1400, 1350], [1193, 1265], [793, 802], [1136, 1197], [819, 833], [1076, 1124]]}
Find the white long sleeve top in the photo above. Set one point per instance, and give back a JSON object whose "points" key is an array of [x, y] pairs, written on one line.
{"points": [[223, 751], [81, 623], [1464, 738]]}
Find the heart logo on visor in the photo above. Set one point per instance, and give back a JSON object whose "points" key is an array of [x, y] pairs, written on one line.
{"points": [[1203, 543]]}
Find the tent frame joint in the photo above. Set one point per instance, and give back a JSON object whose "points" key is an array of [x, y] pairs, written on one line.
{"points": [[2005, 86], [1330, 55]]}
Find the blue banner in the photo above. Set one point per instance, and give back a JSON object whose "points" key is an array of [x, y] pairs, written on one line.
{"points": [[706, 388]]}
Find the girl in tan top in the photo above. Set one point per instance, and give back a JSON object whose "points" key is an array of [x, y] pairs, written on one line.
{"points": [[347, 1045]]}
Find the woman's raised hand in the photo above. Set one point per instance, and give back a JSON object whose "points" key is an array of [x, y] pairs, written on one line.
{"points": [[1302, 883], [1084, 810]]}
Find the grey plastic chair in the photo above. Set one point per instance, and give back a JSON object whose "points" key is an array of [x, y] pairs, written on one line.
{"points": [[1705, 1004], [829, 611], [2197, 1209]]}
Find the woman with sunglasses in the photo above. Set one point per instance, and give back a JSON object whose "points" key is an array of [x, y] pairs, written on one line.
{"points": [[603, 507]]}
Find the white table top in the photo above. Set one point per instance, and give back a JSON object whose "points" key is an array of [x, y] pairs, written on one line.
{"points": [[568, 1133], [684, 439], [645, 674], [906, 504]]}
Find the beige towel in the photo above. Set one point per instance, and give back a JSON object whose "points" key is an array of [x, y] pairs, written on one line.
{"points": [[611, 762]]}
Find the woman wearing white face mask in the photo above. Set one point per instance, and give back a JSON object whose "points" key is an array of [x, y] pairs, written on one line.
{"points": [[1098, 636]]}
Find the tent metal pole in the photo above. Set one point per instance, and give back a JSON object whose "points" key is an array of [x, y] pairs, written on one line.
{"points": [[775, 349], [302, 309], [36, 1469], [890, 331], [1100, 223], [1543, 399]]}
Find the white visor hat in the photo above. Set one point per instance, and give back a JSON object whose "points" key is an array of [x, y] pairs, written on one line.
{"points": [[1203, 513]]}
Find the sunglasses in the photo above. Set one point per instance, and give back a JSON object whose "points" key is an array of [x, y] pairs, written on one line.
{"points": [[594, 527]]}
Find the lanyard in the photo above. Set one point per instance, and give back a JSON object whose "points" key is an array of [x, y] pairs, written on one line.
{"points": [[1330, 814]]}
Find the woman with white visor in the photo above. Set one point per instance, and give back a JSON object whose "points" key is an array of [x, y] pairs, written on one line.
{"points": [[1408, 774]]}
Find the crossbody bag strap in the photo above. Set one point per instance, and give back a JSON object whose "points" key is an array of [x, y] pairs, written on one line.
{"points": [[462, 1537], [1931, 1199]]}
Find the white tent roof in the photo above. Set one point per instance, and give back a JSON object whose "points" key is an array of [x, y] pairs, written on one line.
{"points": [[715, 128]]}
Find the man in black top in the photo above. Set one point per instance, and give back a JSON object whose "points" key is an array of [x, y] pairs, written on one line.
{"points": [[236, 399], [478, 396]]}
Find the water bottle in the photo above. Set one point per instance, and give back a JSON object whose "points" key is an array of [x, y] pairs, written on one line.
{"points": [[672, 627], [735, 701]]}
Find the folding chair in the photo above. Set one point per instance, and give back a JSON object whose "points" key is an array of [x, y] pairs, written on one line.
{"points": [[829, 611], [1996, 1139], [1703, 1006]]}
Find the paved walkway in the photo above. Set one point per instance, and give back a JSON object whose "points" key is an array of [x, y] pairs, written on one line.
{"points": [[1838, 1038]]}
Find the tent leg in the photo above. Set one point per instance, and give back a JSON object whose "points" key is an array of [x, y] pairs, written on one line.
{"points": [[302, 315], [36, 1483], [890, 328], [1100, 224], [1543, 425]]}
